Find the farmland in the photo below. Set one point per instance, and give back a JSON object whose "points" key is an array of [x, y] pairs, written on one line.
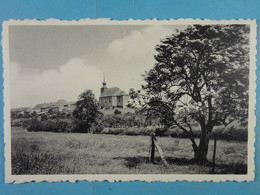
{"points": [[74, 153]]}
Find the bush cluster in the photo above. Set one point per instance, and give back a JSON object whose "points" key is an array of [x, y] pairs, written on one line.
{"points": [[128, 124], [234, 131], [57, 125], [21, 122], [128, 131], [161, 132]]}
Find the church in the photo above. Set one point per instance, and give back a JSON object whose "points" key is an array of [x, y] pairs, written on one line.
{"points": [[112, 97]]}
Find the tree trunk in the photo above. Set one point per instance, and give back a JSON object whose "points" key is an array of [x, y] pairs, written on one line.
{"points": [[200, 155]]}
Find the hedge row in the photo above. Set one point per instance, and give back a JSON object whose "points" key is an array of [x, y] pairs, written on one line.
{"points": [[234, 131], [58, 125], [49, 125]]}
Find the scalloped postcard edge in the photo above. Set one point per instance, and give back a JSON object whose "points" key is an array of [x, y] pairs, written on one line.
{"points": [[9, 178]]}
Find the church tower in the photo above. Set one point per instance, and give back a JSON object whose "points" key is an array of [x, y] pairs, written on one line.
{"points": [[104, 84]]}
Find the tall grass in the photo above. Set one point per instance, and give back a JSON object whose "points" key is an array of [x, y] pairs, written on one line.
{"points": [[71, 153]]}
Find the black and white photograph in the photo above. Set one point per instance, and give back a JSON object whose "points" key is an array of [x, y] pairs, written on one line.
{"points": [[129, 100]]}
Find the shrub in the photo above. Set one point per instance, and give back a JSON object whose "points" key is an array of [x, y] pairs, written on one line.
{"points": [[160, 132], [44, 117], [128, 131], [229, 150], [61, 125], [71, 128], [26, 123], [96, 128], [48, 125], [117, 111], [234, 131], [35, 125], [113, 131]]}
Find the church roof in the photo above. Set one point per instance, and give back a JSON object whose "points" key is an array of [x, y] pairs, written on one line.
{"points": [[114, 91]]}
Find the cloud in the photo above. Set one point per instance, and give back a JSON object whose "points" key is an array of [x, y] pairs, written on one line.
{"points": [[140, 42], [124, 60], [133, 54], [67, 82]]}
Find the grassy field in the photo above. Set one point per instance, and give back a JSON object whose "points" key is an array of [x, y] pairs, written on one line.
{"points": [[64, 153]]}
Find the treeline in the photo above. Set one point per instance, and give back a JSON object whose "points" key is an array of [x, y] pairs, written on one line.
{"points": [[62, 123], [130, 124], [234, 131], [88, 118]]}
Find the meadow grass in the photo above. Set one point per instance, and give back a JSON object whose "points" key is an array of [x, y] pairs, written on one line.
{"points": [[72, 153]]}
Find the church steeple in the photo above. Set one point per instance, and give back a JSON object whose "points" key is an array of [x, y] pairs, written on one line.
{"points": [[104, 80], [104, 85]]}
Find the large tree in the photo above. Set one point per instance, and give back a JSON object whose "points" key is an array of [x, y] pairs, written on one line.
{"points": [[86, 113], [200, 78]]}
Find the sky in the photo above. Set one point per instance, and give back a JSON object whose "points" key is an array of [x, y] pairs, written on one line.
{"points": [[49, 63]]}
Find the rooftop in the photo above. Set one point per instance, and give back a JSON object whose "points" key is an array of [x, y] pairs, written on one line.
{"points": [[114, 91]]}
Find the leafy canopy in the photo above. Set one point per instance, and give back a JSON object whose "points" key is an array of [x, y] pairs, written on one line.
{"points": [[86, 113], [201, 75]]}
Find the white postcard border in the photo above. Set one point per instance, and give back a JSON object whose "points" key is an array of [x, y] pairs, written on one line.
{"points": [[9, 178]]}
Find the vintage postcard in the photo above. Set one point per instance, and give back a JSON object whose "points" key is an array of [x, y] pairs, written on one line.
{"points": [[129, 100]]}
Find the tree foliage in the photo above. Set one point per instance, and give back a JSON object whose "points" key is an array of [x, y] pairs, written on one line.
{"points": [[200, 76], [86, 113]]}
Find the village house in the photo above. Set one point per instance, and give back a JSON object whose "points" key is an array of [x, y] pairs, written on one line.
{"points": [[55, 107], [18, 111], [69, 107], [112, 97]]}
